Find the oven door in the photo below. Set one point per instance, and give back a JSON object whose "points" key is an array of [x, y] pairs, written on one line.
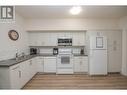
{"points": [[65, 60]]}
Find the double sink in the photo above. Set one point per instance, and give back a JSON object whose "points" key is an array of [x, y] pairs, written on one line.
{"points": [[10, 62]]}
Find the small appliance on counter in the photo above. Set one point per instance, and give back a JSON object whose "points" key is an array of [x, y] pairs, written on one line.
{"points": [[55, 51], [33, 51], [82, 51]]}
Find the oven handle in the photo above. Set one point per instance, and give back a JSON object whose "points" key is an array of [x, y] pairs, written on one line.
{"points": [[71, 56]]}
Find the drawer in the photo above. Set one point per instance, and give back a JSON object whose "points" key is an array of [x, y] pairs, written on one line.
{"points": [[64, 71]]}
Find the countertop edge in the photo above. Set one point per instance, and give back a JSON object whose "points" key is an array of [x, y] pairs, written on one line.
{"points": [[32, 56]]}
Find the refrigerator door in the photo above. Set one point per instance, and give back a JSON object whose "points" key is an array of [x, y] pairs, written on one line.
{"points": [[98, 42], [98, 62]]}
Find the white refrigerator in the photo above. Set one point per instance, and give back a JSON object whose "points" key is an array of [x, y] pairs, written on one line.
{"points": [[98, 55]]}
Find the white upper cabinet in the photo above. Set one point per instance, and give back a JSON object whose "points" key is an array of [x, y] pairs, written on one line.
{"points": [[32, 39], [64, 35], [43, 39], [78, 38], [50, 38]]}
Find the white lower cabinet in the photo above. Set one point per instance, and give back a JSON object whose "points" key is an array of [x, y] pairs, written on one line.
{"points": [[40, 64], [50, 64], [80, 64], [31, 68], [34, 61], [24, 66], [15, 77]]}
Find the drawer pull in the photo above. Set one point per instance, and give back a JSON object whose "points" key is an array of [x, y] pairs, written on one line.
{"points": [[19, 74]]}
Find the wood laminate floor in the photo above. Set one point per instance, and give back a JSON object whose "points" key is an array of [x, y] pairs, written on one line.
{"points": [[52, 81]]}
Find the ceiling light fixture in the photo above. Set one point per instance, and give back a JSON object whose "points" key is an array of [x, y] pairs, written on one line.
{"points": [[75, 10]]}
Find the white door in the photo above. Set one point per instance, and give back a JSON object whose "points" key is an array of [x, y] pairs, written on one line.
{"points": [[98, 62], [53, 39], [15, 76], [31, 70], [85, 64], [50, 64], [34, 65], [79, 38], [77, 64], [40, 64], [80, 64], [25, 72], [32, 39]]}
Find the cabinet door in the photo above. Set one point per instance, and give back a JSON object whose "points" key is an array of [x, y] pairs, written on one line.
{"points": [[50, 64], [15, 76], [46, 39], [32, 39], [81, 64], [76, 39], [52, 39], [79, 38], [24, 66], [84, 64], [34, 65], [30, 72], [85, 61], [40, 64], [77, 64]]}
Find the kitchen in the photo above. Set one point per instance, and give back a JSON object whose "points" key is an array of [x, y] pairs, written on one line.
{"points": [[62, 45]]}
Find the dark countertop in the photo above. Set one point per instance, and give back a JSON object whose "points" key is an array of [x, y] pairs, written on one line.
{"points": [[47, 55], [80, 55], [11, 62]]}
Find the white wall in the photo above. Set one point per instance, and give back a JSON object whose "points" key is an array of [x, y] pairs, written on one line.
{"points": [[8, 48], [123, 25], [71, 24]]}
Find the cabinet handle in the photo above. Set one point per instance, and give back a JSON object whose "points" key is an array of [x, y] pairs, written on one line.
{"points": [[19, 74], [15, 68]]}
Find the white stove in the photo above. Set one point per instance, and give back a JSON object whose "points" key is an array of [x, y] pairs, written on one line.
{"points": [[65, 61]]}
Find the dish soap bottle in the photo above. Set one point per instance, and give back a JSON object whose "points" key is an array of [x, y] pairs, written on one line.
{"points": [[82, 51]]}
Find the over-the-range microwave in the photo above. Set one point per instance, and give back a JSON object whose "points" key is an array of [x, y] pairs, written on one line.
{"points": [[64, 41]]}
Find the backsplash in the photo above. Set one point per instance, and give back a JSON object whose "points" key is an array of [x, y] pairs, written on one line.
{"points": [[49, 50], [46, 50], [8, 54]]}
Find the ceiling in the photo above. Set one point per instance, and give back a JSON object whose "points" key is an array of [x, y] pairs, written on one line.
{"points": [[36, 12]]}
